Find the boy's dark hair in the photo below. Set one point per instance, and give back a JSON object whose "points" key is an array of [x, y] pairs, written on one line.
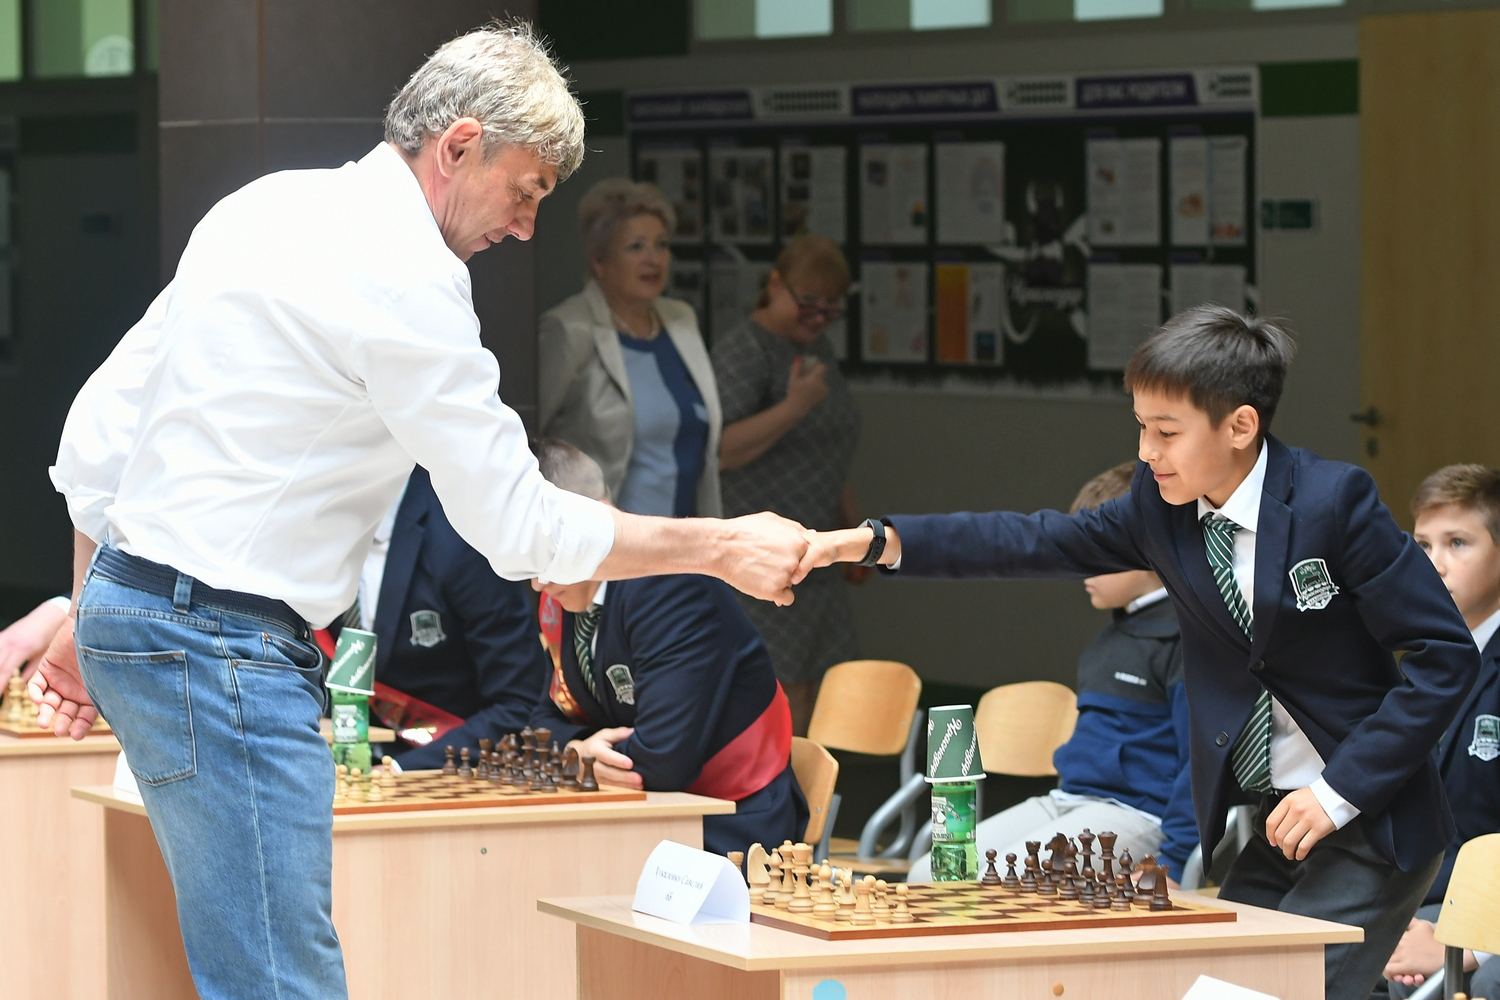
{"points": [[1105, 486], [568, 468], [1217, 358], [1470, 486]]}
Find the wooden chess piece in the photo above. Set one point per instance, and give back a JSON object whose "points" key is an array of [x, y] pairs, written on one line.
{"points": [[374, 794], [825, 907], [880, 907], [862, 914], [772, 891], [570, 769], [1086, 888], [388, 775], [1086, 838], [844, 895], [990, 877], [14, 693], [1032, 867], [1010, 881], [1045, 884], [1159, 900], [340, 785], [755, 871], [1145, 882], [465, 768], [1127, 863], [587, 783], [356, 787], [1069, 888], [1107, 855], [788, 875], [450, 769], [545, 781], [801, 901], [528, 756], [1103, 896], [901, 915], [1120, 902], [482, 772]]}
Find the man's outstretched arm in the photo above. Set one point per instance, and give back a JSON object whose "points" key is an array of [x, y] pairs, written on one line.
{"points": [[56, 685]]}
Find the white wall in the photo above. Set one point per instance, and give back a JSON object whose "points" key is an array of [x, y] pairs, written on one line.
{"points": [[925, 451]]}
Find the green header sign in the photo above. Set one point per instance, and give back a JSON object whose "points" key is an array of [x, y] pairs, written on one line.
{"points": [[952, 744]]}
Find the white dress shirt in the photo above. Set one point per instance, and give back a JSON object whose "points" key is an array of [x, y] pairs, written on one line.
{"points": [[1294, 762], [372, 574], [319, 337]]}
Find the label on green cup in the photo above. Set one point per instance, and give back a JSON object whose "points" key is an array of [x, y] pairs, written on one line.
{"points": [[353, 669], [952, 744]]}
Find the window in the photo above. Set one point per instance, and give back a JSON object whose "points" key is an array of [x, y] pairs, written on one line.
{"points": [[10, 39], [82, 38], [718, 19], [917, 15], [1082, 10]]}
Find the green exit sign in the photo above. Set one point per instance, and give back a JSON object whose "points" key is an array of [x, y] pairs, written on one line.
{"points": [[1289, 213]]}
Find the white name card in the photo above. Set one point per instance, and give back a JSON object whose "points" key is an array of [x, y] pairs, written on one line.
{"points": [[1209, 988], [689, 886]]}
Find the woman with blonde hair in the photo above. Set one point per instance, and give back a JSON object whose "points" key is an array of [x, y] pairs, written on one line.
{"points": [[625, 376], [791, 426]]}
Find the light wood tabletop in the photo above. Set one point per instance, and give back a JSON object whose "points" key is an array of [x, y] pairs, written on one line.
{"points": [[41, 746]]}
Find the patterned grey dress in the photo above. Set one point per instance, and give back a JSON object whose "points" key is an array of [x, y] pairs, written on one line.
{"points": [[802, 477]]}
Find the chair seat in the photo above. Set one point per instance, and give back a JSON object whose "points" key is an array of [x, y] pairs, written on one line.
{"points": [[871, 866]]}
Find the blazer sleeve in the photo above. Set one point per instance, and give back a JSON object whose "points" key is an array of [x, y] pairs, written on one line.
{"points": [[1179, 824], [684, 652], [1405, 607], [1005, 545], [559, 356]]}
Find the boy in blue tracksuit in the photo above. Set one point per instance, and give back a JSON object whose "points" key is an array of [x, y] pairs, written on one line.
{"points": [[1125, 769], [1294, 588]]}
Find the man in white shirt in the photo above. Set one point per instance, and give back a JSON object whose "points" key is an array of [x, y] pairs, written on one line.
{"points": [[227, 467]]}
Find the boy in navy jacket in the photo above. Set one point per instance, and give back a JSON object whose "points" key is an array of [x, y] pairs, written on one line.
{"points": [[1125, 768], [667, 684], [1457, 510], [1294, 588]]}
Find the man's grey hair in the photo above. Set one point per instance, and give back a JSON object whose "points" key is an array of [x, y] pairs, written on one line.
{"points": [[567, 468], [503, 76], [612, 202]]}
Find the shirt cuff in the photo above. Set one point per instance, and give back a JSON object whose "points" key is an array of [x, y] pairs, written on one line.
{"points": [[1335, 805], [585, 534]]}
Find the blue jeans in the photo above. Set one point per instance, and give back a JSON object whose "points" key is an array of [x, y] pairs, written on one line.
{"points": [[218, 713]]}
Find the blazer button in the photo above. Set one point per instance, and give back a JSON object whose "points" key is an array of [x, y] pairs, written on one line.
{"points": [[1259, 666], [1221, 739]]}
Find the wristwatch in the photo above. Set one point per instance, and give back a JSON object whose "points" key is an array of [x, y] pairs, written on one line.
{"points": [[877, 544]]}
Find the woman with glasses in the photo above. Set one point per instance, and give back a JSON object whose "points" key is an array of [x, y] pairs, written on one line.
{"points": [[625, 377], [791, 425]]}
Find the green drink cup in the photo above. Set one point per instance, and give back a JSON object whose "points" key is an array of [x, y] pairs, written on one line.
{"points": [[351, 682], [954, 769]]}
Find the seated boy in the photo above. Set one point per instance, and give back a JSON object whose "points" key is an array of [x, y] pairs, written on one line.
{"points": [[1294, 588], [1125, 768], [1458, 525], [666, 683], [456, 659]]}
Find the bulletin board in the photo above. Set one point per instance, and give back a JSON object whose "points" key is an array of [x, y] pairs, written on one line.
{"points": [[1025, 232]]}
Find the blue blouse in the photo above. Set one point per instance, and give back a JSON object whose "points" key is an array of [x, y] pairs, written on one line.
{"points": [[671, 430]]}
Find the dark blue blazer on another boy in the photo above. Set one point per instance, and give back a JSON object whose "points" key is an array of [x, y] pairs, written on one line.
{"points": [[452, 633], [1469, 758], [1323, 646], [677, 658]]}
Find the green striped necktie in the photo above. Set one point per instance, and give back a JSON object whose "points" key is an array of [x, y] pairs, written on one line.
{"points": [[585, 624], [1251, 756]]}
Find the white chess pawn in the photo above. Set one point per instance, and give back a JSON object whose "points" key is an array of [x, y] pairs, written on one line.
{"points": [[825, 907]]}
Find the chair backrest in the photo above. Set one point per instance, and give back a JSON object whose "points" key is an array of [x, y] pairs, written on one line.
{"points": [[1020, 725], [865, 706], [1471, 907], [817, 772]]}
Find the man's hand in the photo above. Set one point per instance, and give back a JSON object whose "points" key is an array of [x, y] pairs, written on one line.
{"points": [[610, 766], [57, 688], [760, 555], [1297, 823], [27, 639]]}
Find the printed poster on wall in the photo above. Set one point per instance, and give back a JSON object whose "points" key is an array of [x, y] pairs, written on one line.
{"points": [[812, 191], [970, 192], [1228, 203], [679, 174], [1207, 181], [686, 282], [1124, 192], [969, 300], [893, 194], [1188, 183], [893, 311], [1198, 284], [741, 203], [1124, 307]]}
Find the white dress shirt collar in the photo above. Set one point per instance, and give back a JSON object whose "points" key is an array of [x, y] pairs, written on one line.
{"points": [[1486, 630], [1243, 505], [598, 600]]}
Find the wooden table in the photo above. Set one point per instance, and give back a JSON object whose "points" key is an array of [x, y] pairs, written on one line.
{"points": [[623, 955], [438, 904], [53, 870]]}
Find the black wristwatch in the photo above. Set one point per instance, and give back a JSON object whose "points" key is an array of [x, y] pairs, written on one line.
{"points": [[877, 544]]}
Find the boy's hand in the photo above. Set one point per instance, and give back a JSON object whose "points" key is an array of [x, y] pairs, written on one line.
{"points": [[1297, 823], [610, 766], [1417, 955]]}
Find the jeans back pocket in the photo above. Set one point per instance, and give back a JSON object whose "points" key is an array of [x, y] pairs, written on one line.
{"points": [[146, 699]]}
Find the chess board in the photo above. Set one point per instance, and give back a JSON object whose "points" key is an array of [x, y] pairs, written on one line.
{"points": [[971, 908], [416, 791], [27, 728]]}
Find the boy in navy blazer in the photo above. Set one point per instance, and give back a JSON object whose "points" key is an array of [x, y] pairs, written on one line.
{"points": [[667, 684], [457, 653], [1457, 511], [1294, 588]]}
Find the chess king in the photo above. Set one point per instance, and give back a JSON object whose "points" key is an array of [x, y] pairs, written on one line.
{"points": [[227, 466], [668, 684]]}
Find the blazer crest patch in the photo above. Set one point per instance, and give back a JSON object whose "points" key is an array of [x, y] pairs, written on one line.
{"points": [[1486, 742], [426, 628], [1312, 584], [622, 682]]}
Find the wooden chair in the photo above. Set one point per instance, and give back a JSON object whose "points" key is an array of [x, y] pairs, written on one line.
{"points": [[870, 707], [1471, 909], [817, 772]]}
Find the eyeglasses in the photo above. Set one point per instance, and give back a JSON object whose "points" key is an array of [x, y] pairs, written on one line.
{"points": [[816, 307]]}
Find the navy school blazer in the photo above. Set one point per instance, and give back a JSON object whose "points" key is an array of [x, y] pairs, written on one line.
{"points": [[1469, 758], [475, 652], [1323, 646]]}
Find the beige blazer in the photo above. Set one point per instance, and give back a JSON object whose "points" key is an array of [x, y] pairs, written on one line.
{"points": [[585, 390]]}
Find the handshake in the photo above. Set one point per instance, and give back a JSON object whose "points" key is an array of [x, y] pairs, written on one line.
{"points": [[765, 555]]}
